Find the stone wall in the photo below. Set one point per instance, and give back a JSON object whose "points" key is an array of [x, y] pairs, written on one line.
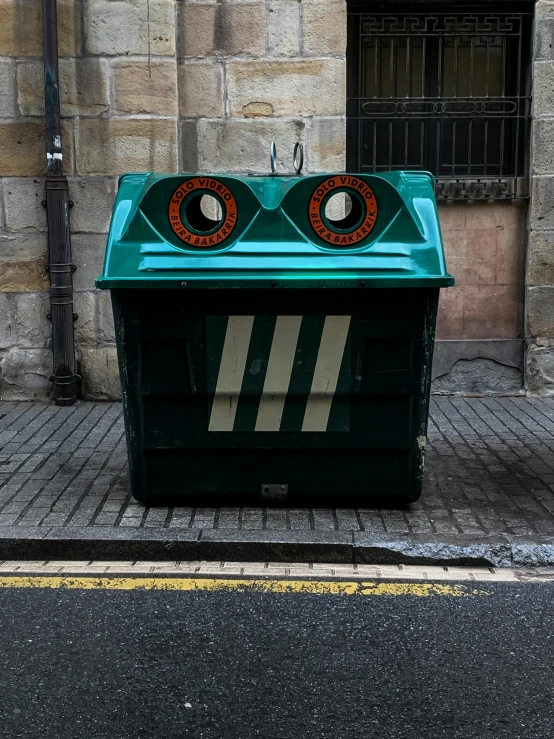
{"points": [[251, 72], [161, 85], [540, 262], [205, 85]]}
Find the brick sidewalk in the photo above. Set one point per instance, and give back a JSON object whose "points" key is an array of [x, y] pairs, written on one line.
{"points": [[489, 493]]}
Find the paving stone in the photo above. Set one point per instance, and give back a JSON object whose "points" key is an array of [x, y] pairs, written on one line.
{"points": [[275, 518], [252, 518], [203, 518], [181, 517], [490, 473], [324, 518], [299, 519]]}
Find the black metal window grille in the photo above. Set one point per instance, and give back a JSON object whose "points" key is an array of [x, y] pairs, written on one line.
{"points": [[447, 92]]}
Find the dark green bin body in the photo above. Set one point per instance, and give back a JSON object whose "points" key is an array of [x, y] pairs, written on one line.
{"points": [[172, 340]]}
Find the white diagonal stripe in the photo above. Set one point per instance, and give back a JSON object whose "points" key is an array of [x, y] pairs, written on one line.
{"points": [[279, 369], [231, 373], [326, 373]]}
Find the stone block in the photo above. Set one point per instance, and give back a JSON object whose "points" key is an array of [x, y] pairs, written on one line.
{"points": [[543, 147], [7, 89], [544, 31], [106, 332], [112, 146], [539, 370], [540, 311], [22, 246], [299, 87], [70, 32], [188, 132], [100, 374], [243, 145], [34, 330], [327, 145], [196, 23], [23, 205], [22, 264], [543, 89], [84, 87], [22, 148], [21, 28], [84, 305], [21, 275], [143, 89], [93, 198], [540, 270], [283, 27], [323, 27], [201, 90], [223, 28], [88, 255], [541, 205], [6, 321], [122, 27], [25, 374]]}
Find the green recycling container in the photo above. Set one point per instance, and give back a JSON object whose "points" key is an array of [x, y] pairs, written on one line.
{"points": [[272, 350]]}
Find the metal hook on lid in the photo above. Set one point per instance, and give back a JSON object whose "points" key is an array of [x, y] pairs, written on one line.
{"points": [[273, 157], [298, 157]]}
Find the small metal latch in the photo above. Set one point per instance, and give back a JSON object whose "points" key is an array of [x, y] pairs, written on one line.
{"points": [[275, 491]]}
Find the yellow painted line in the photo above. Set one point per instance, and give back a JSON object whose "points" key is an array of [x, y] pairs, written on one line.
{"points": [[188, 584]]}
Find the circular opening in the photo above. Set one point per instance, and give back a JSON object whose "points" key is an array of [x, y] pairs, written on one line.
{"points": [[211, 208], [204, 213], [344, 211]]}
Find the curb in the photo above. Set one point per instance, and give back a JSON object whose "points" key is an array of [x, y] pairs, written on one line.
{"points": [[340, 547]]}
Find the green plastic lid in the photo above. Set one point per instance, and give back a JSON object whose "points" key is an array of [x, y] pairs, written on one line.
{"points": [[324, 230]]}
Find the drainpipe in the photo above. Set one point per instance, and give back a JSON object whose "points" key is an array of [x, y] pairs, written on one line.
{"points": [[57, 205]]}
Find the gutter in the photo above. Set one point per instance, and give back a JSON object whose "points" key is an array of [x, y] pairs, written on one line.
{"points": [[59, 267]]}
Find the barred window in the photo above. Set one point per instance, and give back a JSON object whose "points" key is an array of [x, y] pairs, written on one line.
{"points": [[446, 92]]}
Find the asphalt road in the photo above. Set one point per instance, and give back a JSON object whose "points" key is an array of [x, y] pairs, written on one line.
{"points": [[103, 663]]}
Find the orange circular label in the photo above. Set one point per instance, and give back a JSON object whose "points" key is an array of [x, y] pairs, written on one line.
{"points": [[325, 230], [229, 205]]}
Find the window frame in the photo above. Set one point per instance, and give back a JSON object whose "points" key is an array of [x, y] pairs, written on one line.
{"points": [[510, 181]]}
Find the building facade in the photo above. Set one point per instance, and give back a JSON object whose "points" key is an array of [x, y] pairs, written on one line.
{"points": [[465, 91]]}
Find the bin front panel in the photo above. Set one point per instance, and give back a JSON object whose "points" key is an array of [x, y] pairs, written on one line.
{"points": [[261, 387]]}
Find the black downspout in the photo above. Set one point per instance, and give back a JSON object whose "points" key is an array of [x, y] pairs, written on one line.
{"points": [[59, 265]]}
